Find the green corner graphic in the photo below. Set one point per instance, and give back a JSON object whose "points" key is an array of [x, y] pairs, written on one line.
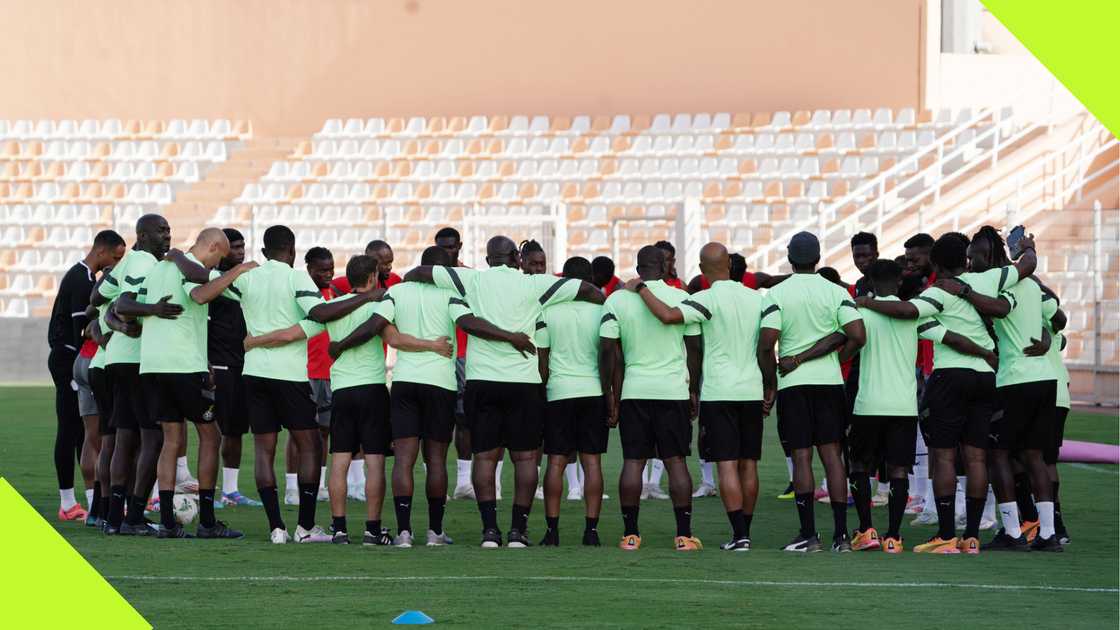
{"points": [[40, 567], [1077, 41]]}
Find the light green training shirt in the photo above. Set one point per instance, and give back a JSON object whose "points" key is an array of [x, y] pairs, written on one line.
{"points": [[275, 296], [653, 353], [360, 365], [425, 312], [887, 386], [729, 315], [1054, 356], [512, 301], [805, 308], [957, 315], [98, 360], [570, 331], [1015, 332], [173, 346], [127, 277]]}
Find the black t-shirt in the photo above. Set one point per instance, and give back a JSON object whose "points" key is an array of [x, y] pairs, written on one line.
{"points": [[226, 334], [68, 317]]}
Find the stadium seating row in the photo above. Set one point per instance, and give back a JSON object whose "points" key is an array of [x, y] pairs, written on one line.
{"points": [[125, 171], [174, 129], [147, 150]]}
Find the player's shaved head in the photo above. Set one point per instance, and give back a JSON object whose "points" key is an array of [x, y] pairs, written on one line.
{"points": [[651, 263], [502, 251], [210, 247], [715, 263], [153, 234]]}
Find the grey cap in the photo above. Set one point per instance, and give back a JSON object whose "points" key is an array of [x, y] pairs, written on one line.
{"points": [[804, 249]]}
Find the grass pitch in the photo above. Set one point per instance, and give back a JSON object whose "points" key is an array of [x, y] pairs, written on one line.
{"points": [[250, 583]]}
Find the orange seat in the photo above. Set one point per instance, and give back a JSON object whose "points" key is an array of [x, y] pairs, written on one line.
{"points": [[132, 128], [495, 147], [455, 125], [620, 144], [436, 125], [303, 149], [559, 124], [411, 148], [154, 128], [580, 145], [639, 123], [243, 129], [164, 170], [170, 150], [748, 167], [498, 123], [394, 126], [741, 121], [760, 119], [600, 124], [801, 118], [608, 167]]}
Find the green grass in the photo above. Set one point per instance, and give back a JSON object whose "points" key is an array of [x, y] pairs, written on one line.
{"points": [[575, 587]]}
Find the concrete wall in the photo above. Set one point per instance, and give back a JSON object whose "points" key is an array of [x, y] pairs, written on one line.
{"points": [[23, 351], [290, 64]]}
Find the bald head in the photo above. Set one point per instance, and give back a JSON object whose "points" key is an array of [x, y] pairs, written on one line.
{"points": [[153, 234], [211, 246], [502, 251], [715, 263]]}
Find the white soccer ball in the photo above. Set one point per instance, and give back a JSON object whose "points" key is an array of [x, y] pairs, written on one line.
{"points": [[186, 509]]}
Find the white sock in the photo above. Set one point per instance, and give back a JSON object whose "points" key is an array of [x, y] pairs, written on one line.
{"points": [[706, 473], [291, 482], [181, 469], [1009, 516], [1045, 518], [67, 498], [989, 506], [571, 474], [155, 491], [89, 498], [229, 480], [961, 482], [929, 505], [656, 471], [498, 474], [884, 488], [462, 473], [645, 473], [356, 474], [322, 477], [824, 482], [789, 467]]}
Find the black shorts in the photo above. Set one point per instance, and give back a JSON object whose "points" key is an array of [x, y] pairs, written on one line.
{"points": [[875, 439], [103, 396], [360, 420], [811, 415], [419, 410], [730, 430], [506, 415], [957, 408], [230, 409], [1025, 416], [130, 409], [275, 404], [1050, 453], [654, 428], [174, 397], [576, 425]]}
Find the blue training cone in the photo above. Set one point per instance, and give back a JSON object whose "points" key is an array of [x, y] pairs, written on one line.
{"points": [[413, 618]]}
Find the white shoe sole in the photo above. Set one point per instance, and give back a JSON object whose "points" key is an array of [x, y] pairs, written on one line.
{"points": [[490, 545], [517, 545], [409, 546]]}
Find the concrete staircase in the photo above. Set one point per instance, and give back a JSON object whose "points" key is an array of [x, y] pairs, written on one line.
{"points": [[193, 207]]}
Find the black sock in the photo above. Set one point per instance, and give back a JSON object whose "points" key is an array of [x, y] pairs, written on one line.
{"points": [[136, 507], [630, 520], [104, 502], [1027, 510], [804, 501], [747, 518], [436, 507], [338, 523], [403, 506], [1059, 524], [860, 483], [684, 519], [973, 508], [946, 517], [373, 527], [205, 507], [590, 524], [552, 523], [271, 503], [116, 506], [520, 518], [167, 509], [308, 495], [488, 510], [738, 524], [840, 518], [896, 506], [95, 503]]}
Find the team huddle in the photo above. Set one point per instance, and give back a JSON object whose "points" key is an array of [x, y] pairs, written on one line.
{"points": [[954, 348]]}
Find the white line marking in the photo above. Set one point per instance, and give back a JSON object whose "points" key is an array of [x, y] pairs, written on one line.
{"points": [[1096, 469], [457, 578]]}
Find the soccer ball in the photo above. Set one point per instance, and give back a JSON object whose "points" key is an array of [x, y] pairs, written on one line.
{"points": [[186, 509]]}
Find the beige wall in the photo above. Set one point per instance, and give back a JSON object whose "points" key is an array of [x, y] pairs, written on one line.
{"points": [[289, 64]]}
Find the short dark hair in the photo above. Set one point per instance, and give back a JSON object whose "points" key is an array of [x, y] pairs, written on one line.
{"points": [[602, 265], [919, 240], [448, 232], [830, 274], [666, 246], [435, 256], [108, 239], [884, 271], [738, 266], [233, 234], [577, 267], [865, 238], [377, 244], [318, 253], [529, 246], [650, 255], [279, 238], [950, 251], [359, 269]]}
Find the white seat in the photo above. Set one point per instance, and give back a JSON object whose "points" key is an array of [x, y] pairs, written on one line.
{"points": [[882, 118], [620, 124], [781, 120], [17, 307], [198, 128], [539, 125], [518, 125], [415, 126], [66, 129], [278, 171], [906, 117], [821, 119], [662, 123], [353, 127], [580, 125], [331, 127], [684, 123], [216, 151], [841, 118], [476, 126]]}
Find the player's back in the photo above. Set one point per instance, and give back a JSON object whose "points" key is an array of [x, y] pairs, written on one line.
{"points": [[274, 296], [808, 303], [1017, 331], [733, 314], [958, 316], [886, 381], [653, 353], [422, 310], [572, 333], [172, 345], [364, 364]]}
